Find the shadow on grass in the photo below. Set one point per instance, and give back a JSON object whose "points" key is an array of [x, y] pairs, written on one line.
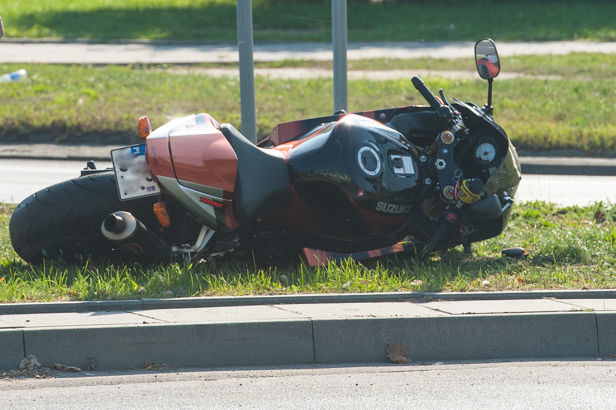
{"points": [[306, 21], [205, 23], [155, 23]]}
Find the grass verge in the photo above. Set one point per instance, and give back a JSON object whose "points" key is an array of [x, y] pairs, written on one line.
{"points": [[569, 248], [310, 20], [90, 103]]}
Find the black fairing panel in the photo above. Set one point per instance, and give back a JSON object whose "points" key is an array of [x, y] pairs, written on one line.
{"points": [[359, 174], [419, 125], [262, 184]]}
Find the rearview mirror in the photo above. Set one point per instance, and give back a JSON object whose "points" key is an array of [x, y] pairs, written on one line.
{"points": [[486, 57]]}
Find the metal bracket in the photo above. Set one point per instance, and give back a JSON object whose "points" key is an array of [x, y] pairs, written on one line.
{"points": [[204, 237]]}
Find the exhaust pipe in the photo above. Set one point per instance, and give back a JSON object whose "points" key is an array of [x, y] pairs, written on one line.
{"points": [[134, 238]]}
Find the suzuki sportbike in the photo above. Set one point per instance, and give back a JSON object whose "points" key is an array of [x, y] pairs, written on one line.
{"points": [[416, 179]]}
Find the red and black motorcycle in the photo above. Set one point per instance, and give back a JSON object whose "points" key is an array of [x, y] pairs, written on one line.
{"points": [[417, 178]]}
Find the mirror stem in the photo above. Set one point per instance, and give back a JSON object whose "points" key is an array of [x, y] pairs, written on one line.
{"points": [[488, 108]]}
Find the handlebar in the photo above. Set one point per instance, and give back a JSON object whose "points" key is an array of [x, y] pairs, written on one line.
{"points": [[425, 92]]}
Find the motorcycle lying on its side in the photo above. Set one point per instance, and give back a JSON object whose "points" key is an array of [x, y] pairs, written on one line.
{"points": [[416, 179]]}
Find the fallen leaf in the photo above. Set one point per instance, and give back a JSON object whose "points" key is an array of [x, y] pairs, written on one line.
{"points": [[30, 362], [90, 364], [156, 367], [2, 279], [396, 353], [521, 280], [64, 368]]}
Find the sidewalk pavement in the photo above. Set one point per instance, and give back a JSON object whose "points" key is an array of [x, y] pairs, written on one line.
{"points": [[16, 51], [311, 329], [549, 163]]}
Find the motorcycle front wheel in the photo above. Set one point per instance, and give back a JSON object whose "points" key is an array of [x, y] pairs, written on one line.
{"points": [[64, 220]]}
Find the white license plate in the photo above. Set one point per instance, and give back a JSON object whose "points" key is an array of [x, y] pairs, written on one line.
{"points": [[133, 174]]}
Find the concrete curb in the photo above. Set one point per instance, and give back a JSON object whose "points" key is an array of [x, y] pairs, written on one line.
{"points": [[221, 301], [322, 342], [568, 165], [311, 329], [182, 345], [480, 337]]}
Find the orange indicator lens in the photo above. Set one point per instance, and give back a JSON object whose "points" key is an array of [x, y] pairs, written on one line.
{"points": [[145, 128], [160, 210]]}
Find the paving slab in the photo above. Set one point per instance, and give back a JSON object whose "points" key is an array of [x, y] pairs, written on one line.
{"points": [[362, 310], [597, 305], [80, 319], [6, 325], [500, 306], [235, 314]]}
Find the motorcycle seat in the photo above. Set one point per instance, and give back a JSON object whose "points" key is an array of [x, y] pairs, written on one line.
{"points": [[262, 183]]}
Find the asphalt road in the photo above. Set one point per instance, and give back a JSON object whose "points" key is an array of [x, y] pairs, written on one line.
{"points": [[20, 178], [514, 385]]}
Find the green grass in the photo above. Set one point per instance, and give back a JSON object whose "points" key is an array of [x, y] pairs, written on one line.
{"points": [[103, 103], [310, 20], [569, 248]]}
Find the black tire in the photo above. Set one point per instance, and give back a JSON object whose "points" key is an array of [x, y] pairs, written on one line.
{"points": [[64, 220]]}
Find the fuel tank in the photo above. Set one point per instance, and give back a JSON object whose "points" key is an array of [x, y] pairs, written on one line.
{"points": [[359, 174]]}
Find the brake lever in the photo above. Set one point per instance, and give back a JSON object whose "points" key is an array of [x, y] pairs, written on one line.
{"points": [[444, 99], [454, 122]]}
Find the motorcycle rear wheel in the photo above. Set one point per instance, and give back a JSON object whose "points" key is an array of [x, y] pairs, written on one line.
{"points": [[64, 220]]}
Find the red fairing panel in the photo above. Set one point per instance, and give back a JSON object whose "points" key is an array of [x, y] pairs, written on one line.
{"points": [[159, 157], [204, 157], [286, 131], [194, 164], [193, 150]]}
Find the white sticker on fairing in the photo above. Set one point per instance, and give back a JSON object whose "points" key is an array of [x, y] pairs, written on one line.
{"points": [[407, 165]]}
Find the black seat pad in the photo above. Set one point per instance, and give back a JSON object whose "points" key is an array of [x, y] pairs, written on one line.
{"points": [[262, 184]]}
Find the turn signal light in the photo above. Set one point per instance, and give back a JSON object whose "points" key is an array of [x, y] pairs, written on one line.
{"points": [[160, 210], [145, 128]]}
